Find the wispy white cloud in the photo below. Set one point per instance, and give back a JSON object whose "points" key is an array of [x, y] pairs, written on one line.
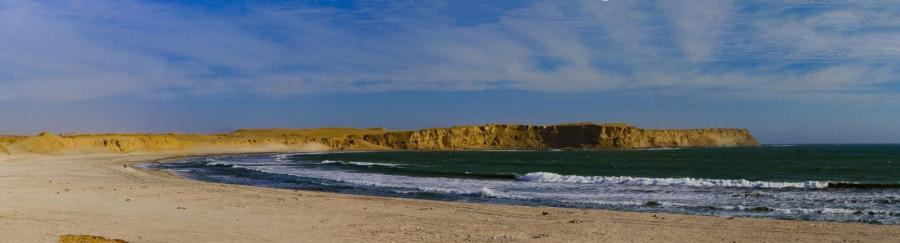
{"points": [[750, 49]]}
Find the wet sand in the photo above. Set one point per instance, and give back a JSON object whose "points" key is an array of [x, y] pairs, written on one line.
{"points": [[43, 197]]}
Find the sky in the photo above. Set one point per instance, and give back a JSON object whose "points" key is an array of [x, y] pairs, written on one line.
{"points": [[791, 71]]}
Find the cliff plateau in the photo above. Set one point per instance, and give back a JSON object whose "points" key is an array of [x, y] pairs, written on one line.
{"points": [[492, 136], [572, 136]]}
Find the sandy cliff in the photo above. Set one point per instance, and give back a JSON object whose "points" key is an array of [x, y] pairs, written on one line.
{"points": [[572, 136], [575, 136]]}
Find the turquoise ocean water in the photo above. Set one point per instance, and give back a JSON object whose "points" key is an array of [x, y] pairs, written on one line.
{"points": [[852, 183]]}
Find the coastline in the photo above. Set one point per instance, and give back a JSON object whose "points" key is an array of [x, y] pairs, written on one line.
{"points": [[47, 196], [522, 178]]}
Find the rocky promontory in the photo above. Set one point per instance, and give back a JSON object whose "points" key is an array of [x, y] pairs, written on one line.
{"points": [[491, 136], [567, 136]]}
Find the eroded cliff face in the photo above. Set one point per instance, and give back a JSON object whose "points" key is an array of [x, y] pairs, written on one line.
{"points": [[714, 137], [585, 136], [474, 137], [573, 136]]}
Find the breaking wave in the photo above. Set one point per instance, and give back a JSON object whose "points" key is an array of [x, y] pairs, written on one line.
{"points": [[366, 164], [807, 200], [693, 182], [551, 177]]}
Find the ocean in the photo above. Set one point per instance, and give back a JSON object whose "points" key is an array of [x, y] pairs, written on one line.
{"points": [[846, 183]]}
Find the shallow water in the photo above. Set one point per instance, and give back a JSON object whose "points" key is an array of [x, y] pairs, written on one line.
{"points": [[856, 183]]}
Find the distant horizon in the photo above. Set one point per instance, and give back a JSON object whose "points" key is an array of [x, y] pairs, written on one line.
{"points": [[421, 128], [792, 72]]}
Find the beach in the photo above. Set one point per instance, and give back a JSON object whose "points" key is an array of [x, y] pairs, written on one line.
{"points": [[109, 195], [449, 121]]}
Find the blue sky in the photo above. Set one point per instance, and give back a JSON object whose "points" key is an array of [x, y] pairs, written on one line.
{"points": [[790, 70]]}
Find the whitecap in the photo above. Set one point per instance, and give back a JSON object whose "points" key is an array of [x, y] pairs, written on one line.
{"points": [[487, 192], [549, 177]]}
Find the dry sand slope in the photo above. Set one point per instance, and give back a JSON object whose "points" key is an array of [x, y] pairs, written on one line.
{"points": [[43, 197]]}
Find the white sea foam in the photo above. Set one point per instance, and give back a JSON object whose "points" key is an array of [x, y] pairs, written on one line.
{"points": [[487, 192], [212, 161], [659, 149], [826, 210], [838, 211], [330, 161], [373, 163], [423, 184], [722, 197], [283, 157], [367, 164], [608, 203], [694, 182], [217, 164]]}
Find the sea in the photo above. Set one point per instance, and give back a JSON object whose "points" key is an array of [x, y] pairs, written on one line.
{"points": [[843, 183]]}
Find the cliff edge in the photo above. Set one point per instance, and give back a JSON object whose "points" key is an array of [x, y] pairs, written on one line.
{"points": [[567, 136], [491, 136]]}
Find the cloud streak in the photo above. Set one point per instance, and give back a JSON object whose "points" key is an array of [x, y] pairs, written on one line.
{"points": [[797, 50]]}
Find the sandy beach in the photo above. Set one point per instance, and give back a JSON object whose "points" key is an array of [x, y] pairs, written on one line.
{"points": [[449, 121], [44, 197]]}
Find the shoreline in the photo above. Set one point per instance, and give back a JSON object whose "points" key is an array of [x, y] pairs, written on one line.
{"points": [[48, 196], [517, 177]]}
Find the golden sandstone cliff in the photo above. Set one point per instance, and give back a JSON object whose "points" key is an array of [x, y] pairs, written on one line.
{"points": [[571, 136], [566, 136]]}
